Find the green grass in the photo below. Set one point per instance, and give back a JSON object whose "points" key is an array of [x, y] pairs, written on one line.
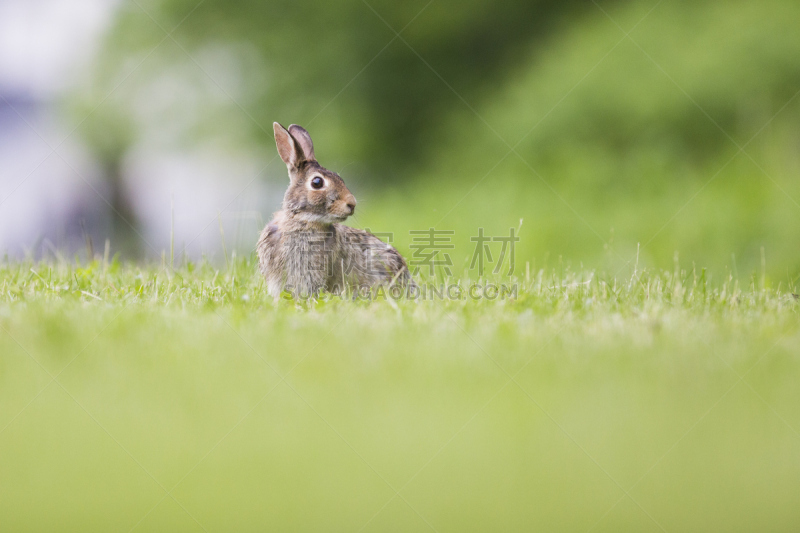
{"points": [[662, 401]]}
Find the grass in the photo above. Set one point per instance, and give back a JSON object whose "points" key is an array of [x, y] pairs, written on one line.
{"points": [[150, 399]]}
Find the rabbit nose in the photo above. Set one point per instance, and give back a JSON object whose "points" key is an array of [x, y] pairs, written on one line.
{"points": [[351, 204]]}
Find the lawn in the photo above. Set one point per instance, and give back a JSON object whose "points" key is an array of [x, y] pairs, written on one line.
{"points": [[147, 398]]}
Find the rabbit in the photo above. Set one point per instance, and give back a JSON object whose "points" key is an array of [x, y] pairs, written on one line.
{"points": [[305, 249]]}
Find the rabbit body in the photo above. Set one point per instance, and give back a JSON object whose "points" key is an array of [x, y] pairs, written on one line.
{"points": [[305, 249]]}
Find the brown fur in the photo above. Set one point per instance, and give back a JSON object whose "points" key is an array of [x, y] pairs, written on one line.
{"points": [[304, 249]]}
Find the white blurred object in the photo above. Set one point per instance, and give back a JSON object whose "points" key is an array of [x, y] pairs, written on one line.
{"points": [[45, 44], [46, 196], [186, 186], [42, 192]]}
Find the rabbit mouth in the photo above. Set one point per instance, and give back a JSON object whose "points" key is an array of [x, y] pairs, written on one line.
{"points": [[329, 218]]}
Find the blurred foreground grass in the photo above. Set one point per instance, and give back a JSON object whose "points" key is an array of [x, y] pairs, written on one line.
{"points": [[151, 399]]}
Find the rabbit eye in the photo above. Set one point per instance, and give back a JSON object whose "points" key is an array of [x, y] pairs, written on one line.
{"points": [[317, 182]]}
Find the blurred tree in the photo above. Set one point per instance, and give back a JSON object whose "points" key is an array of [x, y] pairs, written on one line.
{"points": [[109, 137], [382, 92]]}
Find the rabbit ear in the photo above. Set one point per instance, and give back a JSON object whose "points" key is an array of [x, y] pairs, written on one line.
{"points": [[289, 150], [304, 140]]}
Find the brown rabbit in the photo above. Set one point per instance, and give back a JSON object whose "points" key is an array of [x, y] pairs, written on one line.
{"points": [[305, 250]]}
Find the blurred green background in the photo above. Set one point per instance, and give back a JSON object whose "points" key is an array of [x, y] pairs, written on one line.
{"points": [[669, 125]]}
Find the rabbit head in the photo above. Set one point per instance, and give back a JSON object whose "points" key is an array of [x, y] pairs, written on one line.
{"points": [[315, 194]]}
